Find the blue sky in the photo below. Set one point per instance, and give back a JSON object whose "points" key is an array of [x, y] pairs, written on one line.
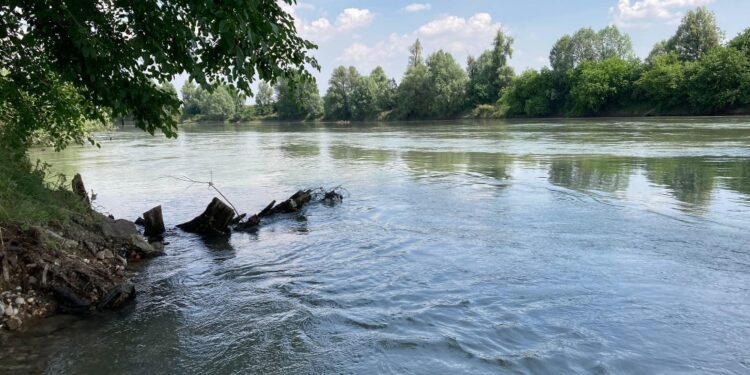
{"points": [[370, 33]]}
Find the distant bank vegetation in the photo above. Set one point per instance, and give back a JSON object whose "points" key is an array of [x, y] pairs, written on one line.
{"points": [[592, 73]]}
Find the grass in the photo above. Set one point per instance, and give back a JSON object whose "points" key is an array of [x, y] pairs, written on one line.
{"points": [[26, 198]]}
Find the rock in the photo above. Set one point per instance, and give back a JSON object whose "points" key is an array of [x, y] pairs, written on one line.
{"points": [[143, 248], [66, 243], [104, 254], [122, 260], [20, 301], [2, 308], [153, 223], [158, 246], [9, 311], [119, 229], [140, 221], [213, 221], [13, 324], [80, 190], [32, 280], [30, 300], [117, 296], [86, 260]]}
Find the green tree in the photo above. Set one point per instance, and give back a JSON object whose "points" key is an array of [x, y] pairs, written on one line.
{"points": [[338, 96], [490, 74], [264, 99], [589, 45], [599, 84], [415, 54], [414, 96], [364, 100], [741, 42], [101, 58], [659, 49], [297, 100], [385, 89], [219, 104], [697, 35], [446, 85], [720, 80], [662, 82], [192, 96], [531, 94]]}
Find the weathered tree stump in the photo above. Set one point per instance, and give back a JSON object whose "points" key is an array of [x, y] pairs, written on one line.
{"points": [[80, 190], [293, 204], [214, 220], [153, 223]]}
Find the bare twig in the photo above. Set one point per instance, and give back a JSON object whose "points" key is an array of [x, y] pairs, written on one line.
{"points": [[210, 185], [6, 275]]}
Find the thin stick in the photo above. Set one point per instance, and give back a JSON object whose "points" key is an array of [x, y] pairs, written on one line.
{"points": [[210, 185], [6, 276]]}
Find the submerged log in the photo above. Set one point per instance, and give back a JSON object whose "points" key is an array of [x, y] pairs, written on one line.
{"points": [[153, 223], [291, 205], [80, 190], [214, 220], [294, 203]]}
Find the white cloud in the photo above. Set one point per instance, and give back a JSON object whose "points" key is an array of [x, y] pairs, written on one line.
{"points": [[458, 34], [366, 57], [352, 18], [417, 7], [643, 12]]}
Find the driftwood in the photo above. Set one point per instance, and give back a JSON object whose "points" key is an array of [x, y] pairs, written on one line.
{"points": [[153, 224], [291, 205], [80, 190], [214, 220]]}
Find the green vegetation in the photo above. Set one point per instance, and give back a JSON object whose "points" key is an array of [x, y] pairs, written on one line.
{"points": [[592, 73], [26, 198], [65, 69]]}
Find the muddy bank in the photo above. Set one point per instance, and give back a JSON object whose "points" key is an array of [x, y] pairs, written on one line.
{"points": [[75, 267]]}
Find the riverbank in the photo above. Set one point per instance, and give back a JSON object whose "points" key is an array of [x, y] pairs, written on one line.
{"points": [[57, 254]]}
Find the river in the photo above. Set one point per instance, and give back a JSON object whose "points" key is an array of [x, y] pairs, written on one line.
{"points": [[613, 246]]}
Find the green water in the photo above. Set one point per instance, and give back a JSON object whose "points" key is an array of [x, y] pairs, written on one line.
{"points": [[583, 246]]}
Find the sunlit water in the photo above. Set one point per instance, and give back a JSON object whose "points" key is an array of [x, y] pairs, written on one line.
{"points": [[595, 246]]}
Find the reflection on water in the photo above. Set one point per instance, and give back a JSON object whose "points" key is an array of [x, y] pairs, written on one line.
{"points": [[583, 246]]}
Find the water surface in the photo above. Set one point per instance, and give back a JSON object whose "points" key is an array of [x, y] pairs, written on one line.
{"points": [[586, 246]]}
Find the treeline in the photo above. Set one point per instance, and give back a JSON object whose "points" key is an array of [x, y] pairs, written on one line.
{"points": [[597, 73], [591, 73]]}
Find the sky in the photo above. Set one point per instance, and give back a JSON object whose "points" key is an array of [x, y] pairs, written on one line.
{"points": [[365, 34]]}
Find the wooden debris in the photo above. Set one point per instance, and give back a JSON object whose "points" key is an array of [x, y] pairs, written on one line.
{"points": [[214, 220], [153, 224], [80, 190]]}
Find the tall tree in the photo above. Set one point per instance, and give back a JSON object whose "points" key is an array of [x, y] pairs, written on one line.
{"points": [[264, 99], [414, 94], [415, 54], [490, 74], [385, 89], [446, 85], [105, 56], [364, 101], [297, 101], [697, 35], [338, 96], [589, 45], [741, 42]]}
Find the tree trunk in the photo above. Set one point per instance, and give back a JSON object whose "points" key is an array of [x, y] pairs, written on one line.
{"points": [[80, 190], [153, 223], [213, 221]]}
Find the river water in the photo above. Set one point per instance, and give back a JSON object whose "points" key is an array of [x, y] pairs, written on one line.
{"points": [[582, 246]]}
